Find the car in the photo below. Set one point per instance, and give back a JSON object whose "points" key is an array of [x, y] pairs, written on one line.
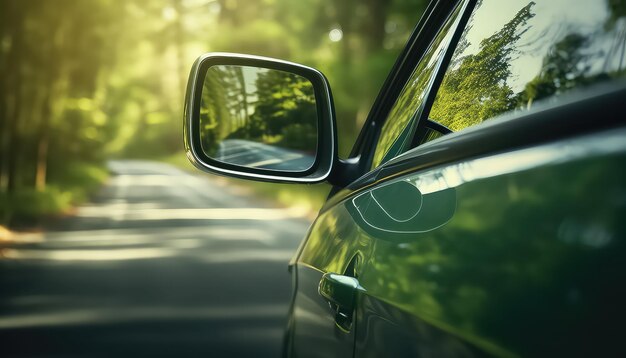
{"points": [[482, 209]]}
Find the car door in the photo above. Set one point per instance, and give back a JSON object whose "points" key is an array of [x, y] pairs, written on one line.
{"points": [[512, 243], [505, 238], [320, 327]]}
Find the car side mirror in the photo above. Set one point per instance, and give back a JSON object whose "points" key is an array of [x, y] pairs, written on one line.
{"points": [[259, 118]]}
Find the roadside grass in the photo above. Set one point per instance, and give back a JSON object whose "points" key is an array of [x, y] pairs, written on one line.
{"points": [[28, 207], [308, 198]]}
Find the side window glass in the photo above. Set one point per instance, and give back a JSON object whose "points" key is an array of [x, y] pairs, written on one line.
{"points": [[515, 53], [397, 128]]}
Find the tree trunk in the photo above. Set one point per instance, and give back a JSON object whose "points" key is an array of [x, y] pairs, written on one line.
{"points": [[43, 142], [244, 96], [13, 142], [374, 29], [345, 18], [10, 96], [179, 43]]}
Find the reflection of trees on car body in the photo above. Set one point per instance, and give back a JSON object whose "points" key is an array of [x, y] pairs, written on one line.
{"points": [[543, 51]]}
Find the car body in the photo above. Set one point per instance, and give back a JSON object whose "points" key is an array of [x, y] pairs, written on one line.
{"points": [[481, 211]]}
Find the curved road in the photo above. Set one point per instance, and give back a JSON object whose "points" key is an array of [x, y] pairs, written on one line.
{"points": [[260, 155], [162, 263]]}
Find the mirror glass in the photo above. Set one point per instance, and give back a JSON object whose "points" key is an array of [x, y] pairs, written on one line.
{"points": [[258, 117]]}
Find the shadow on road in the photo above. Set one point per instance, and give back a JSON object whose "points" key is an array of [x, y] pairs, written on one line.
{"points": [[161, 263]]}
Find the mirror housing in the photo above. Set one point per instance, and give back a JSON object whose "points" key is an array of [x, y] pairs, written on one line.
{"points": [[326, 150]]}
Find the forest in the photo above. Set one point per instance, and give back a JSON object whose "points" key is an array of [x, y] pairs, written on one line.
{"points": [[87, 81]]}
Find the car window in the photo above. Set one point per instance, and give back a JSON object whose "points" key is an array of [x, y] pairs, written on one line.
{"points": [[515, 53], [397, 128]]}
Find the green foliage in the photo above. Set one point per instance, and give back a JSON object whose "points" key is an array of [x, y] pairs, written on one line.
{"points": [[27, 206], [51, 115], [80, 178], [286, 107], [215, 114], [84, 81]]}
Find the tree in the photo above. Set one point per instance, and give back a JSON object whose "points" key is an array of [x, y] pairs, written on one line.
{"points": [[564, 67], [286, 107]]}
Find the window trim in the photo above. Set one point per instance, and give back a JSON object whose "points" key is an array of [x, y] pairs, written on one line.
{"points": [[417, 121], [424, 121], [430, 24]]}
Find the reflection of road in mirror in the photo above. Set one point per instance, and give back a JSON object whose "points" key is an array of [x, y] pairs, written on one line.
{"points": [[259, 155], [161, 263]]}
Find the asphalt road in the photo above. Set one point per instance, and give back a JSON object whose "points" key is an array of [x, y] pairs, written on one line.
{"points": [[161, 263], [259, 155]]}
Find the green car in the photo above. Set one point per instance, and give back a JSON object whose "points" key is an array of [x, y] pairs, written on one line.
{"points": [[482, 210]]}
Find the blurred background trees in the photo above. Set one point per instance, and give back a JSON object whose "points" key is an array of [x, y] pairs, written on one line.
{"points": [[88, 80]]}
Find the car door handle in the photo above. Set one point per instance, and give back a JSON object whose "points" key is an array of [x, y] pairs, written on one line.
{"points": [[340, 292]]}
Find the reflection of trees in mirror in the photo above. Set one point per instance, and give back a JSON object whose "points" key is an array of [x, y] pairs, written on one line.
{"points": [[265, 108], [285, 112], [214, 106], [479, 86], [224, 106]]}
